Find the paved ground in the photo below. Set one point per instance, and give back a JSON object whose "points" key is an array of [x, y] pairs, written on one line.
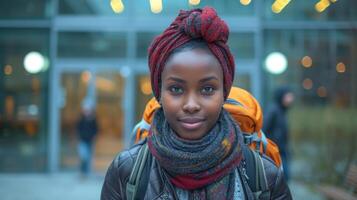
{"points": [[304, 192], [68, 186], [64, 186]]}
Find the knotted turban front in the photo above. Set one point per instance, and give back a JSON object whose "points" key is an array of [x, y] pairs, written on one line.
{"points": [[190, 25]]}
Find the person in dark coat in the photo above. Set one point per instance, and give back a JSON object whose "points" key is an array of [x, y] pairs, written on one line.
{"points": [[276, 124], [87, 130], [195, 145]]}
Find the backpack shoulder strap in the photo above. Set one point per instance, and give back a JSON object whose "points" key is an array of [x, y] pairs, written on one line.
{"points": [[256, 176], [139, 176], [142, 125]]}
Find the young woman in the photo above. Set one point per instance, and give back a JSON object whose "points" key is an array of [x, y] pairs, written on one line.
{"points": [[196, 146]]}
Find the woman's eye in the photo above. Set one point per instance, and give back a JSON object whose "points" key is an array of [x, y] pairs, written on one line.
{"points": [[207, 90], [176, 90]]}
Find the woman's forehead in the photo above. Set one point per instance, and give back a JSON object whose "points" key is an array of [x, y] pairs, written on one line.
{"points": [[199, 61]]}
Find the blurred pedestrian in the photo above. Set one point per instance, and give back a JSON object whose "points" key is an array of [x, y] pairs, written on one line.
{"points": [[276, 124], [87, 130]]}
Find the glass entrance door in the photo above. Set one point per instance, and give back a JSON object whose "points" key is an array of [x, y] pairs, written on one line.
{"points": [[103, 91]]}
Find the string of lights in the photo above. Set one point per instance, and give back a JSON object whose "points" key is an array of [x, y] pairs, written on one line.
{"points": [[277, 7]]}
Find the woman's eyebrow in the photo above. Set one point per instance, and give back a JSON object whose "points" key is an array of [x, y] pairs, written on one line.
{"points": [[176, 79], [208, 79]]}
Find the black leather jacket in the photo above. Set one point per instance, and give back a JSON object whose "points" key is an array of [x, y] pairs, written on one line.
{"points": [[159, 187]]}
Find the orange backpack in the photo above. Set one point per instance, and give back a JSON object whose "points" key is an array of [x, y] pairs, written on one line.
{"points": [[246, 111]]}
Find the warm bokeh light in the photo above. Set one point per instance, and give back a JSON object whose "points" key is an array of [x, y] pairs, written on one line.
{"points": [[105, 85], [145, 86], [322, 91], [194, 2], [279, 5], [245, 2], [30, 129], [86, 76], [117, 6], [156, 6], [341, 67], [8, 70], [306, 61], [322, 5], [307, 84]]}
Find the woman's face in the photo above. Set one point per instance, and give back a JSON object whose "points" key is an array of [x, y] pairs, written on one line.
{"points": [[192, 93]]}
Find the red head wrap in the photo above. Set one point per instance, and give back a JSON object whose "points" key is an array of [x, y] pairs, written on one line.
{"points": [[189, 25]]}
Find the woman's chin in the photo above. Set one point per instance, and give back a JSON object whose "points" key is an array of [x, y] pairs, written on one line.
{"points": [[190, 136]]}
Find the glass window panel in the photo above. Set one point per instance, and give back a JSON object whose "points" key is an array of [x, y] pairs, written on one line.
{"points": [[242, 45], [34, 9], [142, 8], [305, 10], [298, 46], [243, 81], [110, 87], [143, 95], [104, 92], [317, 46], [326, 98], [73, 90], [90, 7], [230, 7], [144, 40], [23, 102], [92, 44], [344, 70], [224, 7], [317, 71]]}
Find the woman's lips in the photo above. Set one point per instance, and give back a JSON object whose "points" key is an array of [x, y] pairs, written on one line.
{"points": [[191, 124]]}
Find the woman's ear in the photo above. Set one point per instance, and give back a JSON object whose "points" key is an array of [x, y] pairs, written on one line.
{"points": [[159, 101]]}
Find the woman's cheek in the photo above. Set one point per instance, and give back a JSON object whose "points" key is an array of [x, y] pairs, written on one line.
{"points": [[170, 102]]}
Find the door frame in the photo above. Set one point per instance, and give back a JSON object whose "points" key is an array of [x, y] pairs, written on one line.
{"points": [[55, 96]]}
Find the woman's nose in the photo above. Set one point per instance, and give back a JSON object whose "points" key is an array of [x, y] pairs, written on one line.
{"points": [[191, 104]]}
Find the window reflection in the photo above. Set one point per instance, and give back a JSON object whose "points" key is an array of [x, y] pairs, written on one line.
{"points": [[90, 7], [143, 95], [106, 89], [92, 44], [243, 81], [23, 105], [144, 41], [306, 10], [325, 105], [242, 45], [231, 7], [19, 9], [142, 8], [319, 70]]}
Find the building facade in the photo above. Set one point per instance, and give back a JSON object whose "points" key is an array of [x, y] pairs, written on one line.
{"points": [[91, 52]]}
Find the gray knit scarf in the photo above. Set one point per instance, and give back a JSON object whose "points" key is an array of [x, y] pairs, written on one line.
{"points": [[205, 166]]}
